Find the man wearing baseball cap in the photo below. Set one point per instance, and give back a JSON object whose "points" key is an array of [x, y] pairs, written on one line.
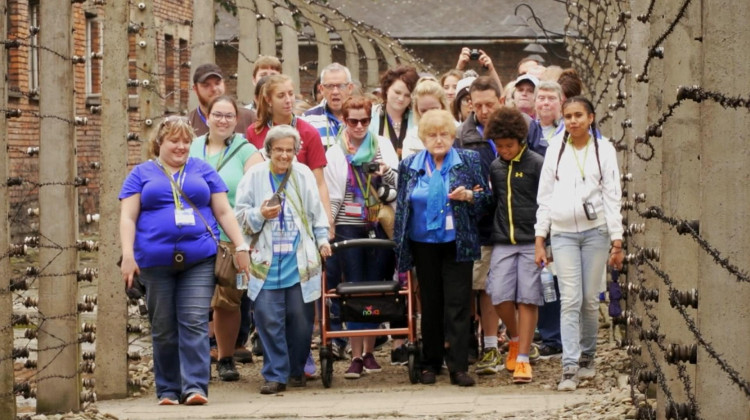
{"points": [[524, 93], [208, 83]]}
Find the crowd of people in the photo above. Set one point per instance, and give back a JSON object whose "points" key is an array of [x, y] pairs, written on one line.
{"points": [[489, 185]]}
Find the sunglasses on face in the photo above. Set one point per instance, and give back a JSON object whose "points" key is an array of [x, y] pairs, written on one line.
{"points": [[353, 122]]}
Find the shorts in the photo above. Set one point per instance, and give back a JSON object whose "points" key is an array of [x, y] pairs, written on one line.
{"points": [[481, 268], [514, 276], [228, 298]]}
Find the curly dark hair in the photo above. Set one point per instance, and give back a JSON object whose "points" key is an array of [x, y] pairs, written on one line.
{"points": [[406, 74], [507, 123]]}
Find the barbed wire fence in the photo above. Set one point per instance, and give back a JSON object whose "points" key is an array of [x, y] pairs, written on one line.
{"points": [[629, 55]]}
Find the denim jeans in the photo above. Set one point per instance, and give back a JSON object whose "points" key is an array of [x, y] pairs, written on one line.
{"points": [[284, 322], [580, 259], [178, 303], [363, 263]]}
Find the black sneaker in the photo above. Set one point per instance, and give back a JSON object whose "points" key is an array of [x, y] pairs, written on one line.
{"points": [[546, 352], [226, 370], [399, 356], [255, 345]]}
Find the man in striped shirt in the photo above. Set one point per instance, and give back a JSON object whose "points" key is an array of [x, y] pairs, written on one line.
{"points": [[336, 87]]}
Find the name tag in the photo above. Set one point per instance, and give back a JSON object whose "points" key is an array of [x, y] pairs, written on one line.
{"points": [[449, 222], [184, 217], [283, 243], [353, 209]]}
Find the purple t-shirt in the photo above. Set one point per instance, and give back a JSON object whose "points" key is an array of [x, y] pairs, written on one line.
{"points": [[157, 235]]}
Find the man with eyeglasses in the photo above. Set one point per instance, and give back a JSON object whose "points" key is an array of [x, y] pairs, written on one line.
{"points": [[336, 87], [208, 83]]}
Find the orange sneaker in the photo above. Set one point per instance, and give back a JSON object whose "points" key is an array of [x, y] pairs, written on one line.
{"points": [[510, 359], [522, 374]]}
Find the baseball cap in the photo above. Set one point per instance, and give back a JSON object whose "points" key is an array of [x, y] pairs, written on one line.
{"points": [[204, 71], [464, 83], [526, 78]]}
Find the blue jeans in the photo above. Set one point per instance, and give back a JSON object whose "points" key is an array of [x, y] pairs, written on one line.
{"points": [[178, 303], [362, 263], [580, 260], [284, 322]]}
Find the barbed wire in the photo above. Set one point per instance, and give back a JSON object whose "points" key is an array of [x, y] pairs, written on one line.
{"points": [[655, 50]]}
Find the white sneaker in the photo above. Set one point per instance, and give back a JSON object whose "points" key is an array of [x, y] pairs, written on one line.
{"points": [[586, 368], [569, 381]]}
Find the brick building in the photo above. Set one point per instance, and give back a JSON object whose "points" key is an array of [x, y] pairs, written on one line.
{"points": [[173, 18]]}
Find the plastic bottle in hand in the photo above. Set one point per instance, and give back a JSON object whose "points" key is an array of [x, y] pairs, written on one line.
{"points": [[548, 285]]}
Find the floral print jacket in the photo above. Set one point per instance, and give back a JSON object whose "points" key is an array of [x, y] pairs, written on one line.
{"points": [[466, 214]]}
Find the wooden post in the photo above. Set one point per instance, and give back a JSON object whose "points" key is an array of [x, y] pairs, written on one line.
{"points": [[266, 27], [313, 14], [289, 45], [203, 37], [59, 384], [7, 398], [150, 105], [112, 314], [248, 53]]}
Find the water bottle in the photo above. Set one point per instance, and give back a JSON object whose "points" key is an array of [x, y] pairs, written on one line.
{"points": [[548, 285]]}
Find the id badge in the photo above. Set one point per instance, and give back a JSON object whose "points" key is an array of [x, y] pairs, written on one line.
{"points": [[353, 209], [449, 222], [184, 217], [284, 245]]}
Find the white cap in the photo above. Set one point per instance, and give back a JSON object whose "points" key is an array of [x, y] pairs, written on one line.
{"points": [[464, 83], [526, 78]]}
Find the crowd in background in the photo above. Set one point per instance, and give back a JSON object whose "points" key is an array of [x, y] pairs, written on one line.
{"points": [[491, 187]]}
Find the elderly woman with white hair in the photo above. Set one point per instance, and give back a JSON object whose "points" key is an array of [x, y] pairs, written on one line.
{"points": [[281, 214]]}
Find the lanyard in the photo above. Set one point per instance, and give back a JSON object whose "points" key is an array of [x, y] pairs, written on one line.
{"points": [[328, 130], [203, 118], [480, 129], [293, 123], [585, 155], [223, 155], [272, 178], [365, 191], [180, 182]]}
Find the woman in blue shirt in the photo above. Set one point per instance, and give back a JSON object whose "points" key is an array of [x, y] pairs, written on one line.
{"points": [[172, 249], [441, 195]]}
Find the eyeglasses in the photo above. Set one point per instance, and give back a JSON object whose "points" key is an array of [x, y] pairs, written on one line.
{"points": [[219, 116], [280, 151], [353, 122], [332, 86]]}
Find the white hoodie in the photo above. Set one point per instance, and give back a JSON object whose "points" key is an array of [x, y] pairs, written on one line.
{"points": [[561, 200]]}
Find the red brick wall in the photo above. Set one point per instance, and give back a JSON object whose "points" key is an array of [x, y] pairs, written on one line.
{"points": [[23, 132]]}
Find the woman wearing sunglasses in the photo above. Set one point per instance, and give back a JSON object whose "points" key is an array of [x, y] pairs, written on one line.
{"points": [[358, 167]]}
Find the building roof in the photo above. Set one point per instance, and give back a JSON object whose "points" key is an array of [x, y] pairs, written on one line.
{"points": [[438, 19]]}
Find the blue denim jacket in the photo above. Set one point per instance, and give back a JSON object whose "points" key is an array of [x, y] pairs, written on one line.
{"points": [[465, 215]]}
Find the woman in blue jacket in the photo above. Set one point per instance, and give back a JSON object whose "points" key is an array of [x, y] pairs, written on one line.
{"points": [[441, 195]]}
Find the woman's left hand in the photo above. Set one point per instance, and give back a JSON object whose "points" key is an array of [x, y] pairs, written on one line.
{"points": [[325, 251], [616, 257], [243, 262], [461, 193]]}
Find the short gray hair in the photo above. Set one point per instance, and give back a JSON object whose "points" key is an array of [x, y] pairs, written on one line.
{"points": [[279, 132], [550, 86], [335, 67]]}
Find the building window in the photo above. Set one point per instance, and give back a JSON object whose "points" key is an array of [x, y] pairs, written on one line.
{"points": [[184, 74], [93, 56], [170, 82], [33, 50]]}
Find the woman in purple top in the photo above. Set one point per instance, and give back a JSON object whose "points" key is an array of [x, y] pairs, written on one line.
{"points": [[172, 249]]}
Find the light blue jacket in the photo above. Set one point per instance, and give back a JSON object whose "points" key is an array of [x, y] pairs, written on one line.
{"points": [[303, 199]]}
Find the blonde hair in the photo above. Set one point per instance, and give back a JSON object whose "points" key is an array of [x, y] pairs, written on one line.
{"points": [[436, 119], [171, 126], [265, 114], [424, 88]]}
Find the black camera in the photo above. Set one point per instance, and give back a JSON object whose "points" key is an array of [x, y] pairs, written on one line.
{"points": [[588, 208], [178, 260], [474, 54], [370, 167]]}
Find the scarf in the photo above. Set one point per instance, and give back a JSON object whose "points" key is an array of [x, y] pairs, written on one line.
{"points": [[437, 191], [366, 152]]}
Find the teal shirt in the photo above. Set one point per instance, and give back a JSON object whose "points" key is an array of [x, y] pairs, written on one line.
{"points": [[231, 171]]}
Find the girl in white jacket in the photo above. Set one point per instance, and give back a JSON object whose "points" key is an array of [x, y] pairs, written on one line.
{"points": [[579, 208]]}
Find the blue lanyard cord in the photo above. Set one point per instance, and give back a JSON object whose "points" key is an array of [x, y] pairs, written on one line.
{"points": [[200, 114], [480, 129]]}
